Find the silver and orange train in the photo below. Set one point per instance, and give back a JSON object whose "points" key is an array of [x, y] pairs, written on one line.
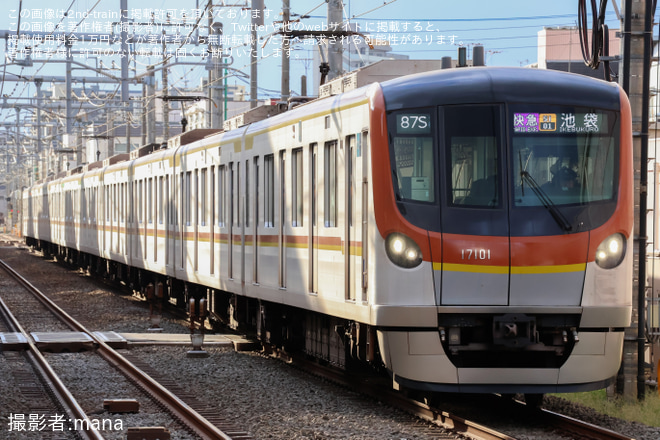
{"points": [[470, 230]]}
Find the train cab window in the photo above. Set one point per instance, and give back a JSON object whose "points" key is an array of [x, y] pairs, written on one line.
{"points": [[563, 156], [473, 151], [413, 167]]}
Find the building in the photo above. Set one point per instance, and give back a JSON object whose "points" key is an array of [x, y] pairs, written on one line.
{"points": [[559, 49]]}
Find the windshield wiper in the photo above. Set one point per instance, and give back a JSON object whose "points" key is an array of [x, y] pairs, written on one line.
{"points": [[547, 202]]}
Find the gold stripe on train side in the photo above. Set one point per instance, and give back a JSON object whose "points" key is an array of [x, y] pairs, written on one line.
{"points": [[515, 270]]}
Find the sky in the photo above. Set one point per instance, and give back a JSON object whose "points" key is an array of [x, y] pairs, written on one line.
{"points": [[421, 29]]}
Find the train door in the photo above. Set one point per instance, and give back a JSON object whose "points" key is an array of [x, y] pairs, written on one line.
{"points": [[474, 248], [313, 221], [101, 217], [146, 217], [197, 206], [282, 224], [109, 206], [231, 221], [330, 253], [255, 223], [158, 211], [124, 220], [351, 238], [149, 225], [212, 217], [363, 152], [245, 226], [169, 222]]}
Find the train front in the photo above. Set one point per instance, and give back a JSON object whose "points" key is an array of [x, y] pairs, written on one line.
{"points": [[504, 206]]}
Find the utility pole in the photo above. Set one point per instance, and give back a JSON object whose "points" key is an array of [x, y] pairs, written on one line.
{"points": [[166, 86], [335, 49], [286, 49], [257, 20], [69, 109], [634, 73], [18, 141], [37, 83], [150, 97], [123, 6], [215, 85]]}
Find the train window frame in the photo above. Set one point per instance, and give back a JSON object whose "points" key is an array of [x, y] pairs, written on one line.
{"points": [[297, 187], [482, 149], [123, 203], [220, 206], [257, 190], [150, 200], [248, 176], [416, 126], [161, 199], [212, 189], [569, 155], [269, 190], [203, 209], [330, 183], [187, 199]]}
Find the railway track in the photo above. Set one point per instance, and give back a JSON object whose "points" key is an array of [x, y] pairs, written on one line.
{"points": [[574, 427], [177, 408], [547, 421], [448, 419], [42, 369]]}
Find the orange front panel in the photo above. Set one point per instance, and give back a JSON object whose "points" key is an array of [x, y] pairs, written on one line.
{"points": [[569, 249]]}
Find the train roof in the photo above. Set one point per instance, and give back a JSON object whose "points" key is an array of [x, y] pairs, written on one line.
{"points": [[499, 84]]}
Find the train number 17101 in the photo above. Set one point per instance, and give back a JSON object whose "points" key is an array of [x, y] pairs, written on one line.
{"points": [[475, 254]]}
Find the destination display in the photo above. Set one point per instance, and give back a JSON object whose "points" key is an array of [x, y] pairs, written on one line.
{"points": [[560, 123], [413, 123]]}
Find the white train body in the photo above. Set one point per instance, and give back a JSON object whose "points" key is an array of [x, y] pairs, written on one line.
{"points": [[287, 224]]}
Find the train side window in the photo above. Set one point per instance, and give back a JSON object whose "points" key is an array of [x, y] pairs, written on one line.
{"points": [[161, 201], [269, 191], [237, 200], [195, 200], [257, 190], [330, 184], [169, 212], [131, 206], [83, 205], [212, 211], [203, 197], [150, 200], [115, 211], [187, 198], [247, 193], [221, 196], [297, 187], [123, 202]]}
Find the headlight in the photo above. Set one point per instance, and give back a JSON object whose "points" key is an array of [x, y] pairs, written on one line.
{"points": [[402, 250], [611, 251]]}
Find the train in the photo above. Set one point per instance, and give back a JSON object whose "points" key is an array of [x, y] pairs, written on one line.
{"points": [[463, 230]]}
